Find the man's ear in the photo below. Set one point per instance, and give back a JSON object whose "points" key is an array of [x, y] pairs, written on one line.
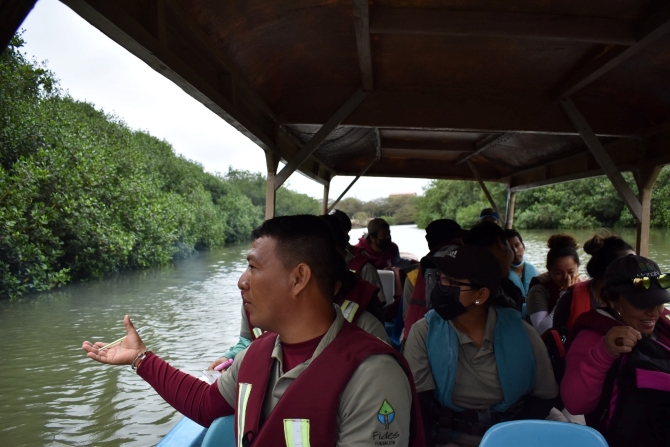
{"points": [[299, 278]]}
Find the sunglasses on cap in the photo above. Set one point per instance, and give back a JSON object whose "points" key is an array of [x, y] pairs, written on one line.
{"points": [[645, 282]]}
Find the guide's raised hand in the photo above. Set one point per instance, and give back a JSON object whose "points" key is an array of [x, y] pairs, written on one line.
{"points": [[121, 354]]}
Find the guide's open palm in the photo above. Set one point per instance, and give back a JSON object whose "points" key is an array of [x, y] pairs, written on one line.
{"points": [[122, 354]]}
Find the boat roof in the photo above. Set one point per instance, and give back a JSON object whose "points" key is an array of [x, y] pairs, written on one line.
{"points": [[451, 89]]}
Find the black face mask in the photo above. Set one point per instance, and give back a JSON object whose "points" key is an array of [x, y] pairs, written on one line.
{"points": [[384, 244], [444, 300]]}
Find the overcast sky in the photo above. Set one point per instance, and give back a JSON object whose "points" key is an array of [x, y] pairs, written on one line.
{"points": [[93, 68]]}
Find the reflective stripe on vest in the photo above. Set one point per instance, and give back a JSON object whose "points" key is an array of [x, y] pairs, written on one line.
{"points": [[257, 332], [349, 309], [296, 432], [242, 400]]}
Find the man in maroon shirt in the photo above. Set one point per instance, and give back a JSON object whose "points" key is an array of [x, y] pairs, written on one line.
{"points": [[346, 387]]}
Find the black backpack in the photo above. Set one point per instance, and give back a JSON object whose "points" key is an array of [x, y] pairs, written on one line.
{"points": [[641, 413]]}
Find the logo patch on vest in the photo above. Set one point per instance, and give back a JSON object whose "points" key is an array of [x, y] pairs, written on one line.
{"points": [[386, 414]]}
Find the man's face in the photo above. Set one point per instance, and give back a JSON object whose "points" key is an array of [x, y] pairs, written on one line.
{"points": [[265, 285], [382, 241]]}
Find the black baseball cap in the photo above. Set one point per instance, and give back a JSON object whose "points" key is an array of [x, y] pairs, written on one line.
{"points": [[476, 264], [444, 230], [620, 276]]}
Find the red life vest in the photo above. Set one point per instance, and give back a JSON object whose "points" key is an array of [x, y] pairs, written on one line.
{"points": [[358, 299], [358, 262], [417, 306], [581, 301], [326, 377], [380, 260]]}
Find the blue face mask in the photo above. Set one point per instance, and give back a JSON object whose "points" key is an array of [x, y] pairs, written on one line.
{"points": [[445, 301]]}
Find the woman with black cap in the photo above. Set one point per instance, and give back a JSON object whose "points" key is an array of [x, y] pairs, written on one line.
{"points": [[605, 342], [475, 363]]}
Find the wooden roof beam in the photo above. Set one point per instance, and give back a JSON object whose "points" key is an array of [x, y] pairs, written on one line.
{"points": [[482, 185], [499, 140], [362, 28], [500, 24], [427, 145], [12, 15], [451, 109], [653, 27], [319, 137]]}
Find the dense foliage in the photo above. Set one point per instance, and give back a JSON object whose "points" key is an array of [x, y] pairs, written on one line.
{"points": [[396, 209], [588, 203], [82, 195]]}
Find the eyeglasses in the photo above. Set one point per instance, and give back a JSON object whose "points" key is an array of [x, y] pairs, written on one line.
{"points": [[445, 281], [645, 282]]}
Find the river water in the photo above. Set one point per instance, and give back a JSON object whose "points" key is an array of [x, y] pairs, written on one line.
{"points": [[53, 395]]}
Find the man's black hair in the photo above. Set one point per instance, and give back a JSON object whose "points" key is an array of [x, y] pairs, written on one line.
{"points": [[336, 231], [485, 234], [511, 232], [345, 222], [304, 239]]}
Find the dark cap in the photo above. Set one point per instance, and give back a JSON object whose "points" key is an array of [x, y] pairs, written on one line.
{"points": [[619, 278], [443, 230], [489, 213], [476, 264]]}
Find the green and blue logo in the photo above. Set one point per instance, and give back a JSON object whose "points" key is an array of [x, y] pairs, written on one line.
{"points": [[386, 414]]}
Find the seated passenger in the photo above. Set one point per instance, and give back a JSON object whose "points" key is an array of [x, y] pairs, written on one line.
{"points": [[489, 215], [606, 342], [313, 375], [522, 271], [587, 295], [547, 288], [492, 237], [442, 236], [475, 364], [378, 246], [368, 314]]}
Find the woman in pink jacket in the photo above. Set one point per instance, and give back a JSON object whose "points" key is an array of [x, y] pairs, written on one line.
{"points": [[635, 295]]}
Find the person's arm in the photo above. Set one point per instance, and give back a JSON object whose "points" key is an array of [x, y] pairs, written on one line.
{"points": [[366, 397], [586, 366], [562, 310], [538, 308], [242, 344], [190, 396], [416, 354], [545, 384]]}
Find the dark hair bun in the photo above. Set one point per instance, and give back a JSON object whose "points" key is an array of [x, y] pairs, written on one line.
{"points": [[594, 244], [558, 241]]}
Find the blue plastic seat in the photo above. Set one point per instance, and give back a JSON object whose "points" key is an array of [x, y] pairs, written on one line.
{"points": [[221, 433], [540, 433]]}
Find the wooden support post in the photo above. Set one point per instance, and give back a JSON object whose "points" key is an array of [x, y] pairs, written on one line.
{"points": [[483, 186], [645, 177], [346, 190], [272, 161], [509, 213], [362, 28], [320, 136], [603, 158], [324, 204]]}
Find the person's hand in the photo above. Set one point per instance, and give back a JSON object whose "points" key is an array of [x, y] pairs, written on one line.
{"points": [[122, 354], [574, 279], [217, 362], [620, 340]]}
